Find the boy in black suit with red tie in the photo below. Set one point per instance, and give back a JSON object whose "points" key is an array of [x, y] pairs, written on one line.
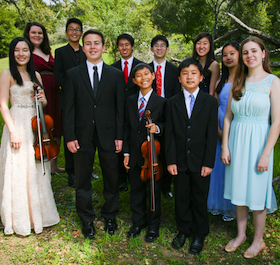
{"points": [[167, 85], [190, 138], [125, 44], [135, 133]]}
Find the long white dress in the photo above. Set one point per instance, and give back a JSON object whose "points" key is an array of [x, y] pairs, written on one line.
{"points": [[26, 197]]}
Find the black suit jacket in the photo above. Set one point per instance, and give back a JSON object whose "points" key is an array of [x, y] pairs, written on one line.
{"points": [[191, 143], [65, 59], [135, 132], [130, 87], [172, 85], [84, 113]]}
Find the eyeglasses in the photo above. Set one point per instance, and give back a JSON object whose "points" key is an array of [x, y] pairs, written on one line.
{"points": [[71, 30], [160, 45]]}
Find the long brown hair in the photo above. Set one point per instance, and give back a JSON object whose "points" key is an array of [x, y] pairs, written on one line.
{"points": [[242, 69]]}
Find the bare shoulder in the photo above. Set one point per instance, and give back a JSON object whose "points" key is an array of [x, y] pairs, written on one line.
{"points": [[275, 86], [5, 73], [214, 66]]}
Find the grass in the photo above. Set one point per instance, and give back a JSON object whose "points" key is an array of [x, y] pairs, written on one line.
{"points": [[65, 244]]}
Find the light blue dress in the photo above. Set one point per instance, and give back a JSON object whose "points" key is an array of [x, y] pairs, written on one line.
{"points": [[216, 203], [244, 185]]}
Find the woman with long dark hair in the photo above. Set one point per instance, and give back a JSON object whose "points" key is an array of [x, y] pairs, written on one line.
{"points": [[248, 141], [216, 203], [26, 197], [203, 50], [44, 62]]}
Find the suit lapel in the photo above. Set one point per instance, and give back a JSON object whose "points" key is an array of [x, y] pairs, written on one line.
{"points": [[85, 77], [105, 76], [166, 79], [181, 105], [199, 104], [71, 53]]}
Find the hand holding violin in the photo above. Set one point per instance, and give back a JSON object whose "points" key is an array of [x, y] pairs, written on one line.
{"points": [[41, 97], [152, 128]]}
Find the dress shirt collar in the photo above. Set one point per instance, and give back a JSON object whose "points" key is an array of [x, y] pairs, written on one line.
{"points": [[129, 62], [146, 97]]}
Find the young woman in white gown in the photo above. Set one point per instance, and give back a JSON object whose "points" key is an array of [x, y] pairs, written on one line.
{"points": [[251, 129], [26, 197]]}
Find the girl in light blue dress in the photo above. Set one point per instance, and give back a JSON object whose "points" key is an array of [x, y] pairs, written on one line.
{"points": [[216, 202], [248, 141]]}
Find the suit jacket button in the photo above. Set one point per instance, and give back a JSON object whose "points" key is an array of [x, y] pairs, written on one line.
{"points": [[138, 132], [188, 151], [94, 106], [93, 122], [188, 139], [189, 127]]}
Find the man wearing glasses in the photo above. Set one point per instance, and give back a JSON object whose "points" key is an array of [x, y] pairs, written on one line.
{"points": [[66, 58]]}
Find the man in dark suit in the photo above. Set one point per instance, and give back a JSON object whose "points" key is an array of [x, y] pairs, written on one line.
{"points": [[191, 137], [93, 118], [166, 84], [66, 58], [135, 135], [125, 44]]}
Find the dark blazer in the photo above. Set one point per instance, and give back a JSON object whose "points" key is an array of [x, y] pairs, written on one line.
{"points": [[65, 59], [84, 113], [172, 85], [191, 143], [130, 87], [135, 132]]}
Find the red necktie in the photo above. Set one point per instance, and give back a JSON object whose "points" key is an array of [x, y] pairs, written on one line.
{"points": [[125, 72], [158, 80]]}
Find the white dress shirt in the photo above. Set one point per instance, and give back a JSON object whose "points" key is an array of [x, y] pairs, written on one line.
{"points": [[188, 99], [90, 70]]}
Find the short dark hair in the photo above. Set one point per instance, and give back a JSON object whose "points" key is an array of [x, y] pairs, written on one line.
{"points": [[159, 37], [187, 62], [140, 66], [45, 45], [74, 20], [125, 36], [94, 31]]}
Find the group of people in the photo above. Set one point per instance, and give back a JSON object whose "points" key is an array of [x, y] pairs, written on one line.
{"points": [[223, 127]]}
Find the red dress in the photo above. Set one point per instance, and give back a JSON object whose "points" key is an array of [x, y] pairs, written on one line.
{"points": [[51, 89]]}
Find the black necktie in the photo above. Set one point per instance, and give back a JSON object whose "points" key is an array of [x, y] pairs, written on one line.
{"points": [[95, 80]]}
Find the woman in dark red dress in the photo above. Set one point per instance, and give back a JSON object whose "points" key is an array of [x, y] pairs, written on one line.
{"points": [[44, 61]]}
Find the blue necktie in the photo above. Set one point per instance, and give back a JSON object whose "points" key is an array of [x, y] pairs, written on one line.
{"points": [[191, 103], [141, 108], [95, 80]]}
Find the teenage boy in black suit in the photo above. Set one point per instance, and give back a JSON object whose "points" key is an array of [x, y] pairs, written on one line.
{"points": [[66, 58], [125, 44], [190, 138], [94, 118], [135, 134], [167, 85]]}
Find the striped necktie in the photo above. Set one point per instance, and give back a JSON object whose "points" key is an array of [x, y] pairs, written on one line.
{"points": [[191, 103], [141, 108]]}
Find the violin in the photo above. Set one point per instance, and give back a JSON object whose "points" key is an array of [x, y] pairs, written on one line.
{"points": [[152, 168], [45, 146]]}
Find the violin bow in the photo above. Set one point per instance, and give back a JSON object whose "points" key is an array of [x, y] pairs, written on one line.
{"points": [[39, 129]]}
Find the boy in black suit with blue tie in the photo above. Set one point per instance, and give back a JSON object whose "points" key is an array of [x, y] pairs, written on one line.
{"points": [[135, 133], [190, 138], [167, 85]]}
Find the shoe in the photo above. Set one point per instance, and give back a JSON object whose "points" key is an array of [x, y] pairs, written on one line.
{"points": [[229, 248], [123, 187], [196, 246], [227, 218], [179, 240], [71, 180], [111, 226], [249, 255], [88, 230], [94, 176], [134, 231], [169, 194], [152, 234]]}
